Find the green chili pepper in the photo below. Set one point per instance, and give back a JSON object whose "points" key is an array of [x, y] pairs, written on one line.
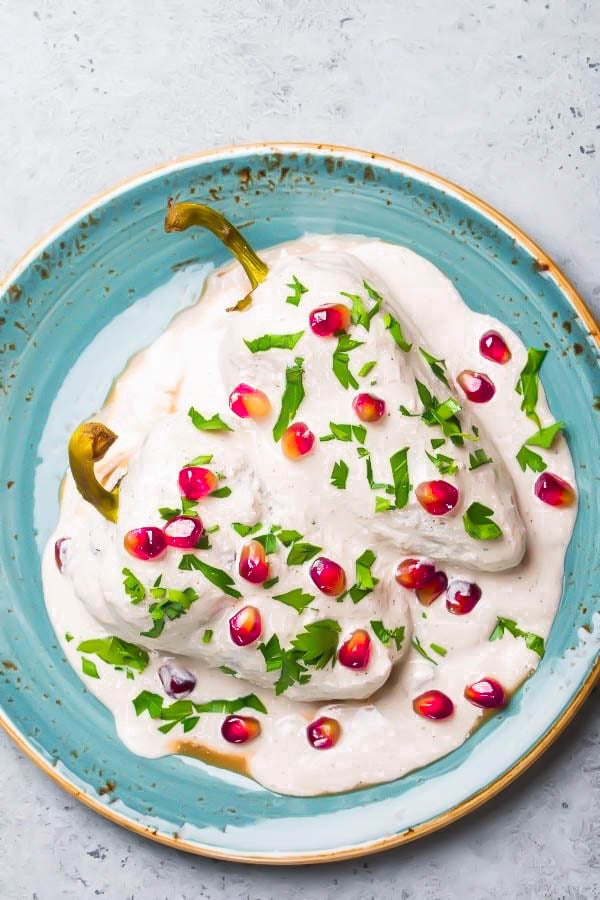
{"points": [[87, 445]]}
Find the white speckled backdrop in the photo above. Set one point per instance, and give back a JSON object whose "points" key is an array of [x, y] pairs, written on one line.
{"points": [[502, 97]]}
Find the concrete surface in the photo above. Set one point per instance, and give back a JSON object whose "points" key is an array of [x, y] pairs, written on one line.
{"points": [[502, 97]]}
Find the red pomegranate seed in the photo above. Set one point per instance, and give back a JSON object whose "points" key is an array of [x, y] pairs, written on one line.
{"points": [[328, 576], [436, 585], [355, 652], [297, 440], [462, 597], [487, 693], [329, 319], [368, 407], [145, 543], [239, 729], [433, 705], [323, 733], [553, 490], [183, 532], [246, 626], [178, 683], [248, 402], [414, 573], [253, 564], [478, 388], [437, 497], [196, 482], [493, 346], [60, 552]]}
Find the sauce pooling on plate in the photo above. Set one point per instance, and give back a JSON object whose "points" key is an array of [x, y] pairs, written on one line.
{"points": [[341, 521]]}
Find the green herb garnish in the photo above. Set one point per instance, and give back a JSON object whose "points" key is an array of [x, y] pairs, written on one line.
{"points": [[215, 423], [360, 314], [216, 576], [89, 668], [399, 464], [382, 504], [365, 580], [341, 367], [301, 552], [395, 329], [170, 604], [318, 643], [478, 523], [133, 587], [293, 395], [268, 542], [528, 383], [202, 460], [207, 636], [116, 652], [296, 599], [478, 458], [245, 530], [298, 289], [220, 493], [270, 582], [287, 662], [385, 635], [444, 464], [368, 367], [287, 536], [187, 713], [544, 438], [339, 474], [418, 646], [437, 366], [273, 342], [68, 637], [342, 432], [444, 415], [437, 648], [532, 641]]}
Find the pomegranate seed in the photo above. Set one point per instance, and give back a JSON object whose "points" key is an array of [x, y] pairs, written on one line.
{"points": [[253, 563], [329, 319], [297, 440], [368, 407], [414, 573], [437, 497], [178, 683], [462, 597], [433, 705], [239, 729], [553, 490], [246, 626], [436, 585], [248, 402], [478, 388], [493, 346], [328, 576], [183, 532], [323, 733], [145, 543], [60, 552], [196, 482], [355, 652], [487, 693]]}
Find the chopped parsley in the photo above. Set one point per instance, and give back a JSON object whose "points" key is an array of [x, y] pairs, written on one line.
{"points": [[444, 415], [202, 460], [301, 552], [297, 289], [170, 604], [382, 504], [444, 464], [368, 367], [399, 464], [187, 713], [360, 314], [318, 643], [544, 437], [296, 599], [478, 458], [418, 646], [293, 395], [287, 536], [89, 668], [68, 637], [479, 524], [341, 432], [527, 385], [216, 576], [287, 662], [116, 652], [245, 530], [532, 641], [437, 442], [437, 648], [374, 485], [207, 636], [227, 670], [385, 635], [339, 474], [134, 588], [270, 582], [437, 366], [215, 423], [373, 294], [365, 580], [395, 329], [273, 342], [267, 541], [220, 493], [341, 367]]}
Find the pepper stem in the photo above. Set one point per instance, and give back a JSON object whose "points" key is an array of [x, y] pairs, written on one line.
{"points": [[87, 445], [181, 216]]}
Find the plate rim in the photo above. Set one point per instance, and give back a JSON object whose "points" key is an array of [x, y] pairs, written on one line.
{"points": [[476, 800]]}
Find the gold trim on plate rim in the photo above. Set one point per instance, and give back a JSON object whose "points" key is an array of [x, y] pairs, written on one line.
{"points": [[476, 800]]}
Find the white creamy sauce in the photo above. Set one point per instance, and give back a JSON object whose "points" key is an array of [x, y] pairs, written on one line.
{"points": [[197, 362]]}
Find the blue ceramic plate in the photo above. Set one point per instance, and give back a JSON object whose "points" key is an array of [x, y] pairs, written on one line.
{"points": [[70, 320]]}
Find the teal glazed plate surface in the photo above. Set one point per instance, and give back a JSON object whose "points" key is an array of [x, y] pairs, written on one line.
{"points": [[87, 297]]}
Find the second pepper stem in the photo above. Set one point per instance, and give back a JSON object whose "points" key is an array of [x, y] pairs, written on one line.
{"points": [[87, 445], [181, 216]]}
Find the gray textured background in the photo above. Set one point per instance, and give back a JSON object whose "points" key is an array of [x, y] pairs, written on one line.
{"points": [[502, 97]]}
